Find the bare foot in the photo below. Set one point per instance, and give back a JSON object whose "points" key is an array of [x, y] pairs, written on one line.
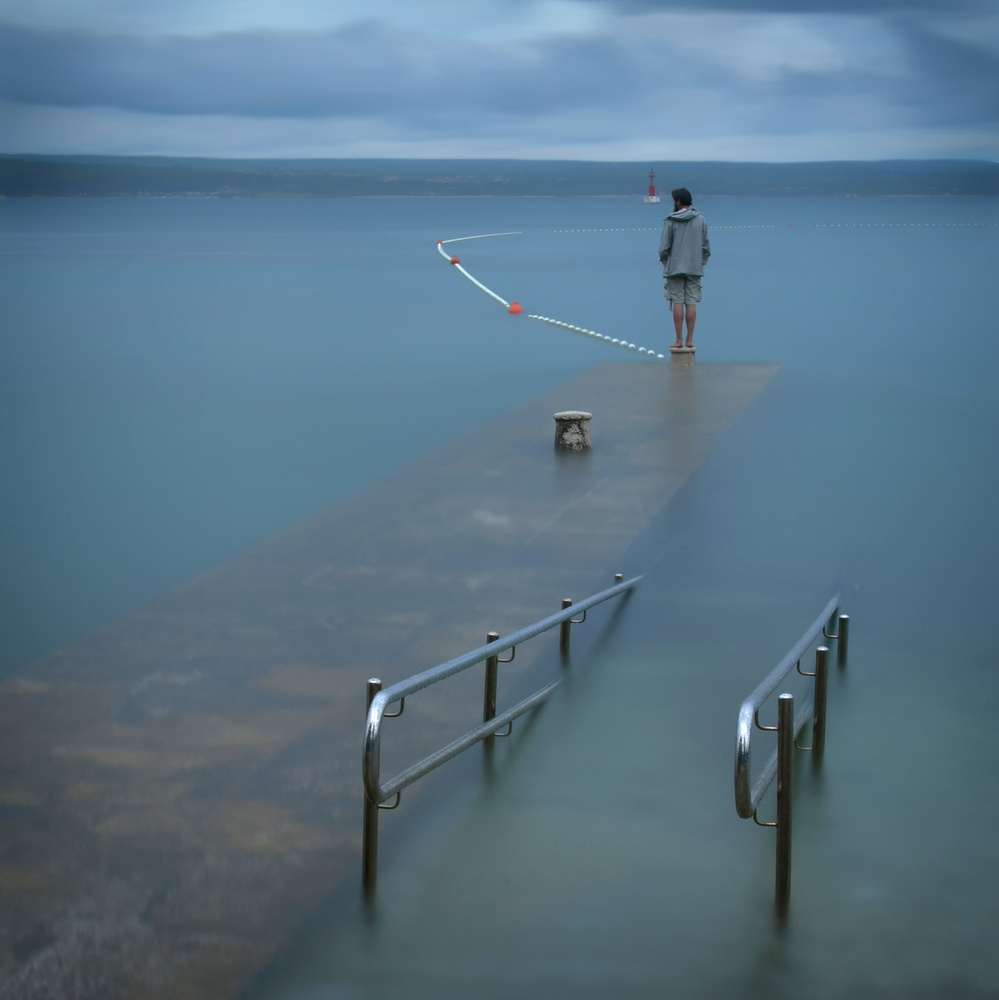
{"points": [[677, 343], [690, 344]]}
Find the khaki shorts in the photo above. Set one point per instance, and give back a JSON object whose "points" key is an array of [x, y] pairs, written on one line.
{"points": [[685, 288]]}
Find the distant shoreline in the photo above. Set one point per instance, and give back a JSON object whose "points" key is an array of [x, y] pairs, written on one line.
{"points": [[28, 176], [436, 197]]}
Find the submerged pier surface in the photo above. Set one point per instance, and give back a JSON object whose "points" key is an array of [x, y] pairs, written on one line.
{"points": [[181, 787]]}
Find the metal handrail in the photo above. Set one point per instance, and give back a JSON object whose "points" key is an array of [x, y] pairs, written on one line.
{"points": [[746, 800], [789, 724], [376, 792]]}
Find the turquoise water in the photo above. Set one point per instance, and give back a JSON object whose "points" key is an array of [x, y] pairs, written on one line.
{"points": [[181, 378]]}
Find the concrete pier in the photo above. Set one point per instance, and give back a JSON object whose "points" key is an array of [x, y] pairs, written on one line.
{"points": [[180, 788]]}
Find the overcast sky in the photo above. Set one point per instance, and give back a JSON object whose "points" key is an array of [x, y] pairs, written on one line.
{"points": [[574, 79]]}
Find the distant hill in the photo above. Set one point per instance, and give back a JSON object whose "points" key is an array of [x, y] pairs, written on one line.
{"points": [[26, 176]]}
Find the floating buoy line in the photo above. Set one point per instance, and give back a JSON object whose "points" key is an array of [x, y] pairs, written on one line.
{"points": [[515, 307]]}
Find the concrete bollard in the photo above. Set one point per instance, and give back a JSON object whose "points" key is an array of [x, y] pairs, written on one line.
{"points": [[572, 430], [682, 357]]}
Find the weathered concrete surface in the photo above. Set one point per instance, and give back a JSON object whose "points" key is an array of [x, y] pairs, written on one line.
{"points": [[179, 788], [572, 430]]}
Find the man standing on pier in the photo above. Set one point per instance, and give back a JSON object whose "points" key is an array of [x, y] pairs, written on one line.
{"points": [[683, 250]]}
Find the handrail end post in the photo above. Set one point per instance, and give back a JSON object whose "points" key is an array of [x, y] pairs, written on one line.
{"points": [[785, 771], [843, 640], [369, 831], [743, 747]]}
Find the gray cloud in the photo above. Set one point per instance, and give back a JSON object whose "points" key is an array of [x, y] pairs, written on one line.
{"points": [[361, 70], [830, 74], [871, 8], [960, 82]]}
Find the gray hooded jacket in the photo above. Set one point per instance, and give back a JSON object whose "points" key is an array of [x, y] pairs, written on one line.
{"points": [[683, 246]]}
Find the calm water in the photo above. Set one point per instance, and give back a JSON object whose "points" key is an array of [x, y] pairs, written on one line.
{"points": [[178, 379]]}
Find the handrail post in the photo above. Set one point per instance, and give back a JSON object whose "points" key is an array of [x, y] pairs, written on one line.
{"points": [[841, 642], [563, 632], [819, 710], [785, 770], [369, 838], [489, 692]]}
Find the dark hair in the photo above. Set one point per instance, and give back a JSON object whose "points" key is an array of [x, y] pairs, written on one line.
{"points": [[682, 195]]}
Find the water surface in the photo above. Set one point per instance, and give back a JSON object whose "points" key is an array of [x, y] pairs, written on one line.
{"points": [[181, 378]]}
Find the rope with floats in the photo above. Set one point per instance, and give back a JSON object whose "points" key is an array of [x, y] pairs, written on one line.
{"points": [[515, 307]]}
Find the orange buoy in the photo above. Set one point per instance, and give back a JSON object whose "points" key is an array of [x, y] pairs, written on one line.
{"points": [[454, 260], [514, 307]]}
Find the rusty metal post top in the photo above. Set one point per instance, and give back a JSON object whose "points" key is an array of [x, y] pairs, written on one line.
{"points": [[572, 430]]}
